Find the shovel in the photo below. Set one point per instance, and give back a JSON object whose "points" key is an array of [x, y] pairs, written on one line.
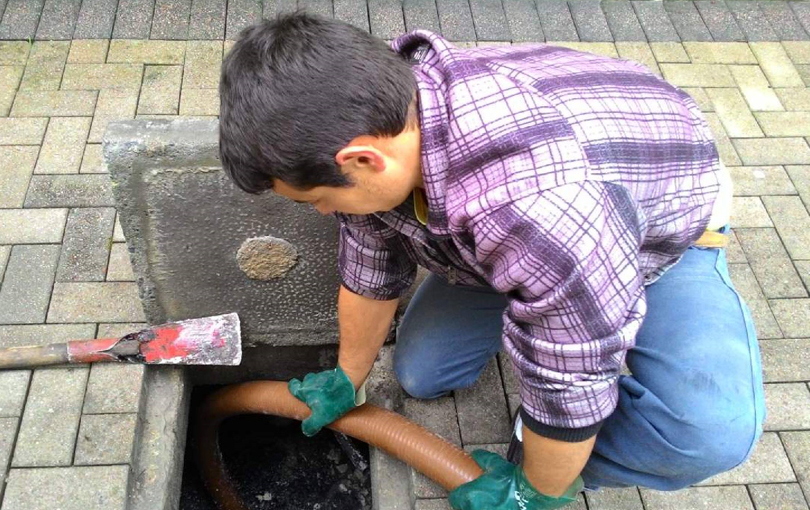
{"points": [[206, 341]]}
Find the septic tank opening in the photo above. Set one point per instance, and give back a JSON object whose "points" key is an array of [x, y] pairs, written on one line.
{"points": [[276, 467]]}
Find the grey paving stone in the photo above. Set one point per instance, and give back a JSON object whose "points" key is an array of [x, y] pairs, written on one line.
{"points": [[5, 251], [118, 233], [783, 496], [68, 488], [734, 252], [438, 416], [802, 11], [555, 17], [96, 19], [749, 212], [746, 284], [800, 175], [58, 20], [51, 418], [54, 103], [63, 146], [751, 21], [114, 388], [27, 284], [622, 20], [514, 402], [70, 191], [8, 431], [160, 92], [207, 19], [20, 19], [43, 334], [95, 302], [22, 131], [590, 21], [803, 267], [85, 250], [15, 387], [735, 497], [510, 381], [655, 21], [117, 329], [272, 8], [614, 499], [241, 14], [768, 464], [719, 20], [120, 268], [386, 19], [483, 415], [787, 360], [771, 263], [134, 19], [356, 13], [170, 19], [498, 448], [419, 14], [782, 20], [93, 160], [761, 180], [792, 222], [772, 151], [489, 19], [788, 406], [112, 105], [319, 7], [432, 504], [16, 167], [797, 445], [105, 439], [31, 226], [687, 21], [524, 23]]}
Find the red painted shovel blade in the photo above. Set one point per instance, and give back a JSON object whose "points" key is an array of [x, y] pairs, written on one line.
{"points": [[213, 340]]}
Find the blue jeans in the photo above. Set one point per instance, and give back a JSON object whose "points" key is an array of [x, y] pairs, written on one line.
{"points": [[693, 406]]}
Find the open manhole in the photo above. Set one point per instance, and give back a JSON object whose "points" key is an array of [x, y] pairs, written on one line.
{"points": [[276, 467]]}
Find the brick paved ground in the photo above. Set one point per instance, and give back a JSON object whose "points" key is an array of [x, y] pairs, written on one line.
{"points": [[67, 434]]}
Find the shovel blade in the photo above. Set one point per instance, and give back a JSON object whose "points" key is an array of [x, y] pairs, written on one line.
{"points": [[213, 340]]}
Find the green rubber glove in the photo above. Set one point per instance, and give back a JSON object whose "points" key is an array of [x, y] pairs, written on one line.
{"points": [[329, 395], [504, 486]]}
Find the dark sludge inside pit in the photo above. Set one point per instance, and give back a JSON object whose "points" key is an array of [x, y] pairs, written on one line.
{"points": [[275, 466]]}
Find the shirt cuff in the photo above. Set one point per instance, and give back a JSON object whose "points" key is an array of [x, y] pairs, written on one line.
{"points": [[558, 433]]}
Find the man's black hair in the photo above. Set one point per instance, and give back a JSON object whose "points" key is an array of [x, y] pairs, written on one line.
{"points": [[296, 90]]}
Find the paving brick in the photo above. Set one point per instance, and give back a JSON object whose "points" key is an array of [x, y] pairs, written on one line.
{"points": [[207, 19], [226, 47], [45, 65], [84, 487], [734, 113], [770, 263], [438, 416], [761, 180], [160, 93], [700, 97], [800, 175], [614, 499], [746, 284], [85, 250], [698, 497], [199, 102], [120, 268], [117, 329], [786, 496], [788, 407], [118, 233], [802, 11], [5, 251], [767, 464], [133, 19], [112, 105], [51, 418], [14, 52], [797, 445], [17, 164], [95, 302], [32, 226], [63, 146], [170, 19], [669, 52], [719, 20], [432, 504], [420, 14], [96, 19], [792, 315], [792, 222], [8, 431], [10, 77], [751, 20], [202, 65], [524, 22], [114, 388], [788, 358], [43, 334], [15, 387], [483, 415], [734, 252], [603, 48], [777, 124], [749, 212], [62, 103], [318, 7], [798, 51], [242, 14], [720, 53], [489, 19], [106, 439], [655, 21], [622, 20], [590, 21], [387, 22], [27, 284], [773, 151], [102, 76], [782, 20], [698, 75], [58, 20], [687, 21], [727, 151], [93, 160], [794, 99], [513, 399], [755, 88], [510, 381], [356, 13], [70, 191], [88, 51], [556, 20], [776, 64], [640, 52], [146, 52], [20, 19]]}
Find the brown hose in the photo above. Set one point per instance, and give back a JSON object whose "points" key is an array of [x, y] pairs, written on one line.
{"points": [[442, 462]]}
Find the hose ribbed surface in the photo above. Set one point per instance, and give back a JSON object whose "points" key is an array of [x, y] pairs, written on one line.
{"points": [[442, 462]]}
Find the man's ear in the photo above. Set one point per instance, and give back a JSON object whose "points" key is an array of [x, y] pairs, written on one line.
{"points": [[364, 155]]}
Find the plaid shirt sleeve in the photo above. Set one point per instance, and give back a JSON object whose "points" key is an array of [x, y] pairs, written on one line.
{"points": [[372, 260], [567, 260]]}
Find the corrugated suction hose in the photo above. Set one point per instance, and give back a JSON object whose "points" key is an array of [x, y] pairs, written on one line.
{"points": [[442, 462]]}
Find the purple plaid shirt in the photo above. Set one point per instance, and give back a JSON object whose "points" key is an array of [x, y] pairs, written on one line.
{"points": [[566, 181]]}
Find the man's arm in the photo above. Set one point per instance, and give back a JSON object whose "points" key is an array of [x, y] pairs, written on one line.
{"points": [[551, 466], [364, 324]]}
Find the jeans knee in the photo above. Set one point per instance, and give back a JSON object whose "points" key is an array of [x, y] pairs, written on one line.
{"points": [[413, 377]]}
